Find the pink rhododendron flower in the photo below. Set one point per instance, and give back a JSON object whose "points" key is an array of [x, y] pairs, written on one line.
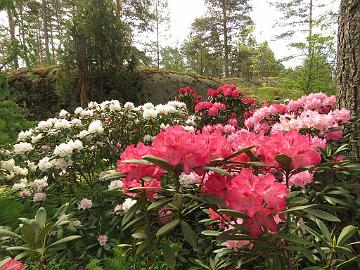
{"points": [[215, 184], [261, 220], [301, 179], [297, 146], [13, 265], [137, 171], [102, 239]]}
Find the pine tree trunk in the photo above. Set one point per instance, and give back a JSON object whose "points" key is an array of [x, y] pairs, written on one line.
{"points": [[348, 66], [118, 8], [82, 67], [226, 45], [12, 35], [46, 31]]}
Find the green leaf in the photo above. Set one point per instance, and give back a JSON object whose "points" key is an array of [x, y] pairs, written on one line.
{"points": [[232, 213], [351, 264], [298, 208], [62, 210], [136, 161], [322, 214], [41, 217], [64, 240], [169, 256], [158, 204], [188, 233], [162, 163], [178, 198], [130, 214], [28, 234], [167, 227], [210, 233], [325, 231], [4, 232], [294, 239], [133, 222], [18, 248], [217, 170], [285, 161], [346, 234]]}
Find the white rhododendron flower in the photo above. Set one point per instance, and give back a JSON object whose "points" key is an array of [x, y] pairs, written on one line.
{"points": [[78, 110], [31, 165], [115, 106], [45, 164], [39, 197], [62, 164], [36, 138], [24, 193], [63, 113], [85, 204], [7, 165], [126, 205], [150, 114], [83, 134], [187, 180], [20, 171], [129, 106], [96, 127], [20, 186], [24, 135], [92, 105], [44, 125], [62, 123], [22, 148], [76, 122], [39, 184], [115, 184]]}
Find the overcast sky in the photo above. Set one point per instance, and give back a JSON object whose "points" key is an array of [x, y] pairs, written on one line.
{"points": [[183, 13]]}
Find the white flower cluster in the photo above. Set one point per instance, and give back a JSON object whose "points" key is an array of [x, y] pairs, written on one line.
{"points": [[67, 149], [22, 148], [115, 184], [125, 206], [188, 180], [38, 186], [85, 204]]}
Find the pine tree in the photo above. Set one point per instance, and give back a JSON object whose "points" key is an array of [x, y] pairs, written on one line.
{"points": [[230, 17]]}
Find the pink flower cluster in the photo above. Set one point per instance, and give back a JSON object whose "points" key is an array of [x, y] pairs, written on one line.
{"points": [[314, 112], [12, 265], [227, 90], [259, 196], [211, 108]]}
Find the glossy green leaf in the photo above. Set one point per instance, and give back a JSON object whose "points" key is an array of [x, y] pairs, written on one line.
{"points": [[158, 204], [346, 234], [322, 214], [64, 240], [28, 234], [162, 163], [188, 233], [167, 227], [325, 231], [217, 170], [4, 232]]}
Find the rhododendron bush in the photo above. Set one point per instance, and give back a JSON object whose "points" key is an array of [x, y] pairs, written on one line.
{"points": [[198, 183]]}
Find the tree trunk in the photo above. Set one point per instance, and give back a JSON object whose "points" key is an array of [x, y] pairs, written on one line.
{"points": [[118, 8], [226, 45], [46, 31], [82, 67], [157, 35], [12, 35], [348, 65]]}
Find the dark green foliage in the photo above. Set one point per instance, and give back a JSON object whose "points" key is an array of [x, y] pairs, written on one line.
{"points": [[12, 121]]}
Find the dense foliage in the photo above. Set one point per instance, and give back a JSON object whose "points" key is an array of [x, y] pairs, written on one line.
{"points": [[211, 183]]}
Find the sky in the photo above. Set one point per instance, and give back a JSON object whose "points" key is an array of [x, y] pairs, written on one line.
{"points": [[183, 13]]}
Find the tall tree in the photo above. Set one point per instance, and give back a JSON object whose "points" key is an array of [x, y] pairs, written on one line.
{"points": [[231, 17], [348, 66]]}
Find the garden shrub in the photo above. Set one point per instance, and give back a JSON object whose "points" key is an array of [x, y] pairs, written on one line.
{"points": [[198, 183]]}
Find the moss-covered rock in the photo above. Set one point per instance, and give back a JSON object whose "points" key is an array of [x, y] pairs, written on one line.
{"points": [[35, 90]]}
